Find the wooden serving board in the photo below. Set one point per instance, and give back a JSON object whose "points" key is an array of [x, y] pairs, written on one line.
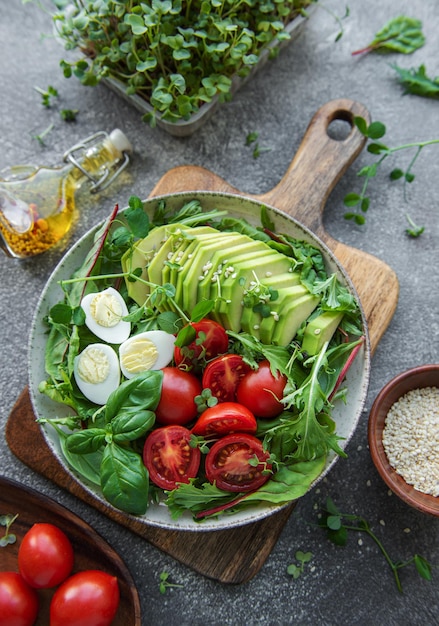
{"points": [[236, 555]]}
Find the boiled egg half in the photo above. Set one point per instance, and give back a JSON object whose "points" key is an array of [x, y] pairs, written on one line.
{"points": [[104, 311], [150, 350], [97, 372]]}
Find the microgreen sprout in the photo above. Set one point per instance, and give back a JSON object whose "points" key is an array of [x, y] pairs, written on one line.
{"points": [[296, 569], [8, 537], [375, 132], [414, 230], [165, 584], [41, 136], [252, 140], [337, 525], [69, 115], [47, 95], [154, 47], [205, 400]]}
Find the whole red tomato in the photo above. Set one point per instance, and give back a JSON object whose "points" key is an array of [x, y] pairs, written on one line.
{"points": [[45, 556], [88, 598], [18, 601], [177, 400], [261, 392]]}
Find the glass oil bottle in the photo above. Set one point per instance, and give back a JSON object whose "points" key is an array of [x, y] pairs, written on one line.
{"points": [[37, 204]]}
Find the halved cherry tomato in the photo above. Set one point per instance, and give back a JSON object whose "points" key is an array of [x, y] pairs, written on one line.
{"points": [[261, 392], [45, 556], [177, 400], [169, 458], [88, 598], [230, 463], [18, 601], [210, 340], [223, 374], [225, 418]]}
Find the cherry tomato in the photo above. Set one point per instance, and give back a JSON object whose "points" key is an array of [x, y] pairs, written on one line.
{"points": [[223, 374], [260, 391], [18, 601], [210, 340], [177, 400], [45, 556], [88, 598], [169, 458], [228, 463], [225, 418]]}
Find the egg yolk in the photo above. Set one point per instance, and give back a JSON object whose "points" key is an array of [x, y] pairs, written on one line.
{"points": [[93, 366], [139, 355], [106, 310]]}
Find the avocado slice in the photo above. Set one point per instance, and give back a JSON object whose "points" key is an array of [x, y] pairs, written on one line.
{"points": [[233, 287], [175, 236], [182, 251], [195, 267], [251, 320], [320, 330], [140, 256], [182, 254], [290, 317], [222, 263]]}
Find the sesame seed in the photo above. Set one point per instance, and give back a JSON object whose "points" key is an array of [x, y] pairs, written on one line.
{"points": [[411, 438]]}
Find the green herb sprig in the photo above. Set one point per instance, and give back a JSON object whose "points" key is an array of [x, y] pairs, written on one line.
{"points": [[47, 95], [375, 132], [296, 569], [8, 538], [401, 34], [165, 584], [416, 81], [338, 524]]}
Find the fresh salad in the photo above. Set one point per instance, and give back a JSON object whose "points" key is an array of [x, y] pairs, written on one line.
{"points": [[201, 357]]}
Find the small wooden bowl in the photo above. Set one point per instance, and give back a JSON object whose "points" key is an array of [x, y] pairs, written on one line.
{"points": [[416, 378]]}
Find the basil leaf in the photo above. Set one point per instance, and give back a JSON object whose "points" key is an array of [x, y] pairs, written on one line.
{"points": [[84, 441], [139, 393], [130, 426], [124, 479]]}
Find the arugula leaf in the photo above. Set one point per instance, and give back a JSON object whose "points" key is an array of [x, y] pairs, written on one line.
{"points": [[310, 399], [335, 296], [416, 82], [401, 34]]}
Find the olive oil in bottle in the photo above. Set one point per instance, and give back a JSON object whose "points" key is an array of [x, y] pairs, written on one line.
{"points": [[37, 204]]}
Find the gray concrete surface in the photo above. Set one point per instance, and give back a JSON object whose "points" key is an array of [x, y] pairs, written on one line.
{"points": [[341, 586]]}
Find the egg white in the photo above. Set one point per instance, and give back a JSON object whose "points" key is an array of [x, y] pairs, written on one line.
{"points": [[98, 392], [115, 334], [164, 345]]}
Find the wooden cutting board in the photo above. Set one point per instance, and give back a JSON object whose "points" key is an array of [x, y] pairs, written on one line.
{"points": [[236, 555]]}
